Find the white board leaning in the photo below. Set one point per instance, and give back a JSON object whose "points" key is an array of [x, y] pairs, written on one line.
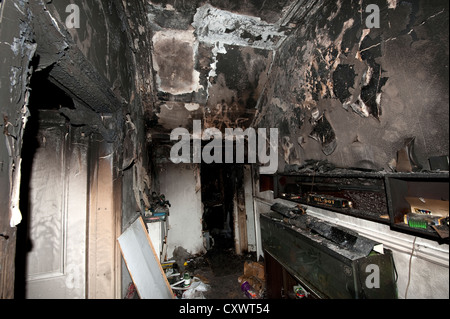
{"points": [[143, 264]]}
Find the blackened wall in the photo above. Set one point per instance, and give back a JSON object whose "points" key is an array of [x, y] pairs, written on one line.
{"points": [[16, 52], [112, 46], [113, 37], [375, 87]]}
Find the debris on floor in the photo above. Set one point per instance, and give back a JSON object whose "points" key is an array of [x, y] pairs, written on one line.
{"points": [[196, 289], [180, 255], [218, 274], [253, 279], [131, 292]]}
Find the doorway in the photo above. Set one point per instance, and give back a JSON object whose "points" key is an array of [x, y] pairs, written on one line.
{"points": [[217, 197], [227, 219], [224, 207], [50, 250]]}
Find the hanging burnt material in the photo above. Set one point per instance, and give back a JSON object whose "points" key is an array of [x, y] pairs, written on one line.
{"points": [[406, 158], [373, 81], [324, 134], [371, 91]]}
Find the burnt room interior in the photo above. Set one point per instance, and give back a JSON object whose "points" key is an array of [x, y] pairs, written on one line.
{"points": [[224, 149]]}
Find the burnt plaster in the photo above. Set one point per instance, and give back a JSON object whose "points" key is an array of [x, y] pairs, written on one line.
{"points": [[217, 64], [378, 87], [233, 95], [174, 62], [269, 11], [18, 49]]}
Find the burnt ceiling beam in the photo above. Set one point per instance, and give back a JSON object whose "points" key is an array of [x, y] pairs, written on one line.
{"points": [[70, 69], [298, 10], [75, 75]]}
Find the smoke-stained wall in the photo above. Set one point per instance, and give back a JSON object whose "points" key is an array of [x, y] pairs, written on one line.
{"points": [[16, 52], [114, 38], [104, 64], [211, 59], [343, 92]]}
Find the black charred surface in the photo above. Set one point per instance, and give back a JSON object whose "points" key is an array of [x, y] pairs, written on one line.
{"points": [[332, 61], [351, 36], [343, 81], [231, 66], [324, 133], [370, 51]]}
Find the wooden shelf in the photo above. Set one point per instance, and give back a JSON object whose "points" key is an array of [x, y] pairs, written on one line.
{"points": [[366, 194], [376, 196]]}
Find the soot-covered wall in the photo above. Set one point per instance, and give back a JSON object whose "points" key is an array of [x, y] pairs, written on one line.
{"points": [[342, 92], [104, 65], [211, 59], [113, 37]]}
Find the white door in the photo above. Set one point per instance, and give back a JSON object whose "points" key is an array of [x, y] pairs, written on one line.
{"points": [[56, 263]]}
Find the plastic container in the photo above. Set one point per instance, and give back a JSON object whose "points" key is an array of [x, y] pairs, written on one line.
{"points": [[187, 279], [249, 291], [422, 220], [299, 292]]}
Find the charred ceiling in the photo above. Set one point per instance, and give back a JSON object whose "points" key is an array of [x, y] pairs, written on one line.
{"points": [[211, 59], [336, 88]]}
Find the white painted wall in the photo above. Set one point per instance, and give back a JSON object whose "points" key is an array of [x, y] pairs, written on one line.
{"points": [[429, 275], [181, 185]]}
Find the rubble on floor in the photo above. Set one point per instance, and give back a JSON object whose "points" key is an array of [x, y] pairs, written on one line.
{"points": [[254, 276], [218, 274]]}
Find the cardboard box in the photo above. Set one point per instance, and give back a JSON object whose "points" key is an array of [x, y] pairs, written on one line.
{"points": [[254, 269], [254, 274], [427, 206]]}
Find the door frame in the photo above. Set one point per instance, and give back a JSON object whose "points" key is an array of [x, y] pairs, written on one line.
{"points": [[104, 222]]}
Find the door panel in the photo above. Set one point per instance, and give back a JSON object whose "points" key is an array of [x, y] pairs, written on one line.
{"points": [[56, 264], [48, 211]]}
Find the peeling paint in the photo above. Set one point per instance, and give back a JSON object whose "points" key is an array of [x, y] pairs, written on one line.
{"points": [[14, 78], [218, 48], [392, 4], [192, 106], [15, 46], [174, 60], [214, 25]]}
